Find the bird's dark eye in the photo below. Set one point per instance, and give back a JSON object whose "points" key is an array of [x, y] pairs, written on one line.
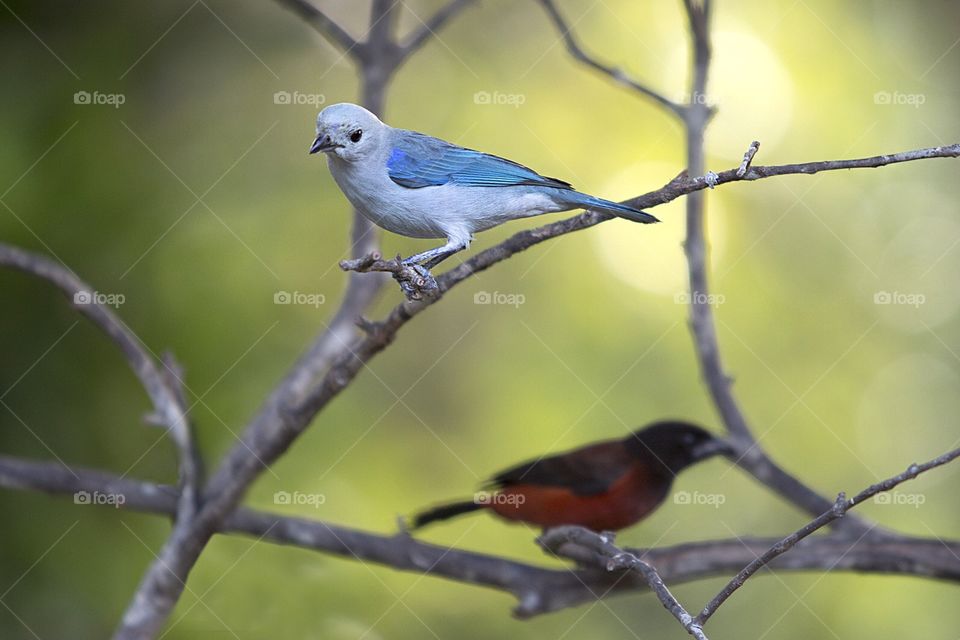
{"points": [[356, 135]]}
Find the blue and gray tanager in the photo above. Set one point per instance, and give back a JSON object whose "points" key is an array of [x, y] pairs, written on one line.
{"points": [[424, 187]]}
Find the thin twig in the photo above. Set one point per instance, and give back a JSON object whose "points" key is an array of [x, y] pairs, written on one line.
{"points": [[614, 559], [748, 158], [619, 75], [840, 508]]}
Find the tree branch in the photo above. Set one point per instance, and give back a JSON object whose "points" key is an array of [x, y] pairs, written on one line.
{"points": [[539, 590], [435, 23], [840, 508], [680, 186], [618, 75], [191, 466], [696, 117], [323, 24], [162, 386]]}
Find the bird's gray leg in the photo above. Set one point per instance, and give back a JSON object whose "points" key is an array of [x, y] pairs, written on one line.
{"points": [[420, 259], [431, 258], [430, 264]]}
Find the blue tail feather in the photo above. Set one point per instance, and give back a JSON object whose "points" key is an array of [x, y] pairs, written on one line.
{"points": [[620, 210]]}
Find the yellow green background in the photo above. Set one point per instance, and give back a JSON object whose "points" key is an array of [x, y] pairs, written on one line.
{"points": [[841, 390]]}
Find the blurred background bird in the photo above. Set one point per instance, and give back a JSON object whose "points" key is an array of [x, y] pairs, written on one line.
{"points": [[606, 486], [424, 187]]}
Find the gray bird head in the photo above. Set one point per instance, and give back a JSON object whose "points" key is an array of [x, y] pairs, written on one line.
{"points": [[348, 131]]}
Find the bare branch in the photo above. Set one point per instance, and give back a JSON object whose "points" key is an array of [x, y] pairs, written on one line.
{"points": [[324, 24], [696, 117], [435, 23], [680, 186], [169, 409], [840, 508], [619, 75], [539, 590], [698, 19], [615, 558]]}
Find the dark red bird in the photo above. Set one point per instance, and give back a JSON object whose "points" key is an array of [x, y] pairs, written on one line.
{"points": [[605, 486]]}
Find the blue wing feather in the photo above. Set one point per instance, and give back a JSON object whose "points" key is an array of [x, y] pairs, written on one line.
{"points": [[418, 161]]}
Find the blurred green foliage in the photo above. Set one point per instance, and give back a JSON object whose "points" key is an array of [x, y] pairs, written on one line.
{"points": [[195, 199]]}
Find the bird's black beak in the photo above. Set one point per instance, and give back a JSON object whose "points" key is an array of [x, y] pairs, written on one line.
{"points": [[322, 143], [710, 448]]}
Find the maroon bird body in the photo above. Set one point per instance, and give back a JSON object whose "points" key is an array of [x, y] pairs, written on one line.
{"points": [[605, 486]]}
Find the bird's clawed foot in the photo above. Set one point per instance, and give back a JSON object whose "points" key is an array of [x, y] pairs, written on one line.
{"points": [[415, 280]]}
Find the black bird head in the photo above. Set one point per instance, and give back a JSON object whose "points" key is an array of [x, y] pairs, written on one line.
{"points": [[674, 445]]}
